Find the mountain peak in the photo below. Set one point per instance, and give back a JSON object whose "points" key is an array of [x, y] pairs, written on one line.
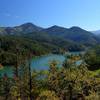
{"points": [[75, 27], [56, 27], [28, 28], [27, 25]]}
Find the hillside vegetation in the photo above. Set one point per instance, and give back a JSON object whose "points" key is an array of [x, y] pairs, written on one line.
{"points": [[18, 45], [69, 82]]}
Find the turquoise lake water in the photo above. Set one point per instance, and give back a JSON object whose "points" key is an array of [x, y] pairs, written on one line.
{"points": [[42, 63], [39, 63]]}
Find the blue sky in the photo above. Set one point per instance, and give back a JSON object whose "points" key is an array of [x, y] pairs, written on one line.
{"points": [[45, 13]]}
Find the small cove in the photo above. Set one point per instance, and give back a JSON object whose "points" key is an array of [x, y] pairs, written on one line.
{"points": [[40, 63]]}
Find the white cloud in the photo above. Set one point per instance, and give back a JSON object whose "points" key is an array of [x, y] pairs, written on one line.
{"points": [[10, 15], [7, 15], [17, 16]]}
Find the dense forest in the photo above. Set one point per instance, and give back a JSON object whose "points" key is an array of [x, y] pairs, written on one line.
{"points": [[11, 45], [49, 49], [69, 82], [39, 41]]}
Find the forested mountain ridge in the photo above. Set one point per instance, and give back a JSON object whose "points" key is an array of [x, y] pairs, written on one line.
{"points": [[75, 34], [68, 38], [24, 28]]}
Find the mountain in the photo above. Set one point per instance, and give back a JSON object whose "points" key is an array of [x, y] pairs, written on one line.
{"points": [[28, 28], [67, 38], [55, 30], [97, 32], [24, 28], [75, 34]]}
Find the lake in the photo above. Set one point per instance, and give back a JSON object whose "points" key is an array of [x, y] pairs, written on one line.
{"points": [[39, 63], [42, 63]]}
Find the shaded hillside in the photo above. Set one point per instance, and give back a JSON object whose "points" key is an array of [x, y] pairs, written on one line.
{"points": [[11, 46], [75, 34], [73, 38], [55, 41]]}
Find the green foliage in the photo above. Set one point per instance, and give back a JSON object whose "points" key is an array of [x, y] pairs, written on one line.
{"points": [[92, 58], [66, 83], [54, 84], [48, 95], [11, 46]]}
